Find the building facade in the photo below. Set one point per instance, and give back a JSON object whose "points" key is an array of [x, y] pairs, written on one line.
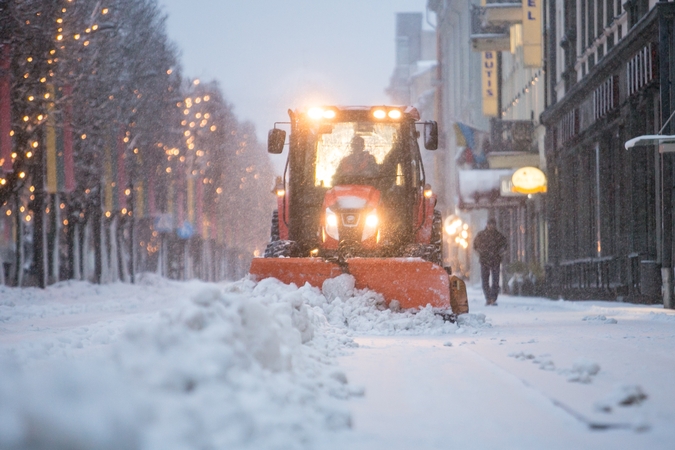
{"points": [[609, 74]]}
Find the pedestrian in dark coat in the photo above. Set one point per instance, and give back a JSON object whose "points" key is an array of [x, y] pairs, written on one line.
{"points": [[490, 245]]}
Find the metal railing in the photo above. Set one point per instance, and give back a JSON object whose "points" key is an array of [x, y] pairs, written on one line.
{"points": [[608, 277], [587, 273], [586, 278]]}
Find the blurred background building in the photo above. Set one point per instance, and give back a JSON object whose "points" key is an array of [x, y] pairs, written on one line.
{"points": [[535, 101]]}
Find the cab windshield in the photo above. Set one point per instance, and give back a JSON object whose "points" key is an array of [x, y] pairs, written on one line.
{"points": [[339, 143]]}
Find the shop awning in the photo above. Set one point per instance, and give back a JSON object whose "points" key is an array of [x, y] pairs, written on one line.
{"points": [[481, 189]]}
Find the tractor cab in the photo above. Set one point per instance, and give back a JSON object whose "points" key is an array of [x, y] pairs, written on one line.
{"points": [[354, 180]]}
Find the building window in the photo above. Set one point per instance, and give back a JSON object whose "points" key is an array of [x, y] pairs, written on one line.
{"points": [[591, 22], [568, 126], [584, 40], [641, 69], [617, 9], [636, 10], [606, 97]]}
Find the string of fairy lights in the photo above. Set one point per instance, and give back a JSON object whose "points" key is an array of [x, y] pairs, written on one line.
{"points": [[197, 119], [529, 85], [43, 97]]}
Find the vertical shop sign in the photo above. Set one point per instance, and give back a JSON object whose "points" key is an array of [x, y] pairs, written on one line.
{"points": [[490, 85], [532, 34]]}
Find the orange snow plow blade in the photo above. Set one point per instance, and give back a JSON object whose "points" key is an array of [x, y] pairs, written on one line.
{"points": [[411, 281], [295, 270]]}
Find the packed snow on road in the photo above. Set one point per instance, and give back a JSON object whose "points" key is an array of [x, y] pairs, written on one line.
{"points": [[244, 365]]}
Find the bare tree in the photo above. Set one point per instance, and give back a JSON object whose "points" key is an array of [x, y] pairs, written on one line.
{"points": [[98, 118]]}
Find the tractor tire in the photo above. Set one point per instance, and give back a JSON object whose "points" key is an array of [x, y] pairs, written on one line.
{"points": [[431, 252], [436, 255], [280, 249], [274, 232], [423, 251], [427, 252]]}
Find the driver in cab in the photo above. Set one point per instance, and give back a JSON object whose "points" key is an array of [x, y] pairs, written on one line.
{"points": [[359, 165]]}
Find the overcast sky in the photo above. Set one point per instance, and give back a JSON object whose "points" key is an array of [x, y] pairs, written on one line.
{"points": [[272, 55]]}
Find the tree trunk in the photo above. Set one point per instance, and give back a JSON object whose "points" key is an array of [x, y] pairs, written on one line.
{"points": [[74, 250], [18, 253], [39, 229], [98, 247], [53, 238]]}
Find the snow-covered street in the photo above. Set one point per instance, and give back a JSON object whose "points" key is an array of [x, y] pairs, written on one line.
{"points": [[528, 382], [164, 364]]}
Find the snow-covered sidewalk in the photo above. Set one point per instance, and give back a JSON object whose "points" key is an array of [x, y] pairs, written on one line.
{"points": [[171, 365]]}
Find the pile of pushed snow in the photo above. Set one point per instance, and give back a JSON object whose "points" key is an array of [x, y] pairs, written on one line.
{"points": [[662, 317], [224, 368], [599, 319], [623, 395], [362, 311]]}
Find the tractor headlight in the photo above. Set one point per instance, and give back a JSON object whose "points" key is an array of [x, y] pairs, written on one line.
{"points": [[370, 226], [394, 114], [317, 113], [332, 224]]}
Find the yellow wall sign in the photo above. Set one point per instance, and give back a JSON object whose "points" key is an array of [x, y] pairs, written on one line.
{"points": [[490, 86], [528, 180], [532, 34]]}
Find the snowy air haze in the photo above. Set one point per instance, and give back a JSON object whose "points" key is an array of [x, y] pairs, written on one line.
{"points": [[143, 330], [269, 56]]}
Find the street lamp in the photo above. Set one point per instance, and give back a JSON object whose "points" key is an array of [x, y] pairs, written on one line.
{"points": [[458, 237], [666, 143], [455, 227]]}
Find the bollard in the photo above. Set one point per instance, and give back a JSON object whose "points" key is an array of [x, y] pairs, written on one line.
{"points": [[459, 302], [650, 281]]}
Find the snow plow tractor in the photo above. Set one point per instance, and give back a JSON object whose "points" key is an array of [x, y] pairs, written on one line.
{"points": [[353, 199]]}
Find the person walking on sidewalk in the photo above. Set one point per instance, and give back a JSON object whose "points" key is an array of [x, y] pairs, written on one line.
{"points": [[490, 245]]}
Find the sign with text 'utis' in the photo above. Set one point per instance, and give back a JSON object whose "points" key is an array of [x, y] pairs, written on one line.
{"points": [[490, 85], [532, 35]]}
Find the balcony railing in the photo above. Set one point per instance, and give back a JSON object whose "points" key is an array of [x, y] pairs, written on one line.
{"points": [[512, 136], [486, 36], [503, 12]]}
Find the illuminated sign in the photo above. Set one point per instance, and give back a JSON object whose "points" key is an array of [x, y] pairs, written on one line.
{"points": [[528, 180], [532, 33], [490, 86]]}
